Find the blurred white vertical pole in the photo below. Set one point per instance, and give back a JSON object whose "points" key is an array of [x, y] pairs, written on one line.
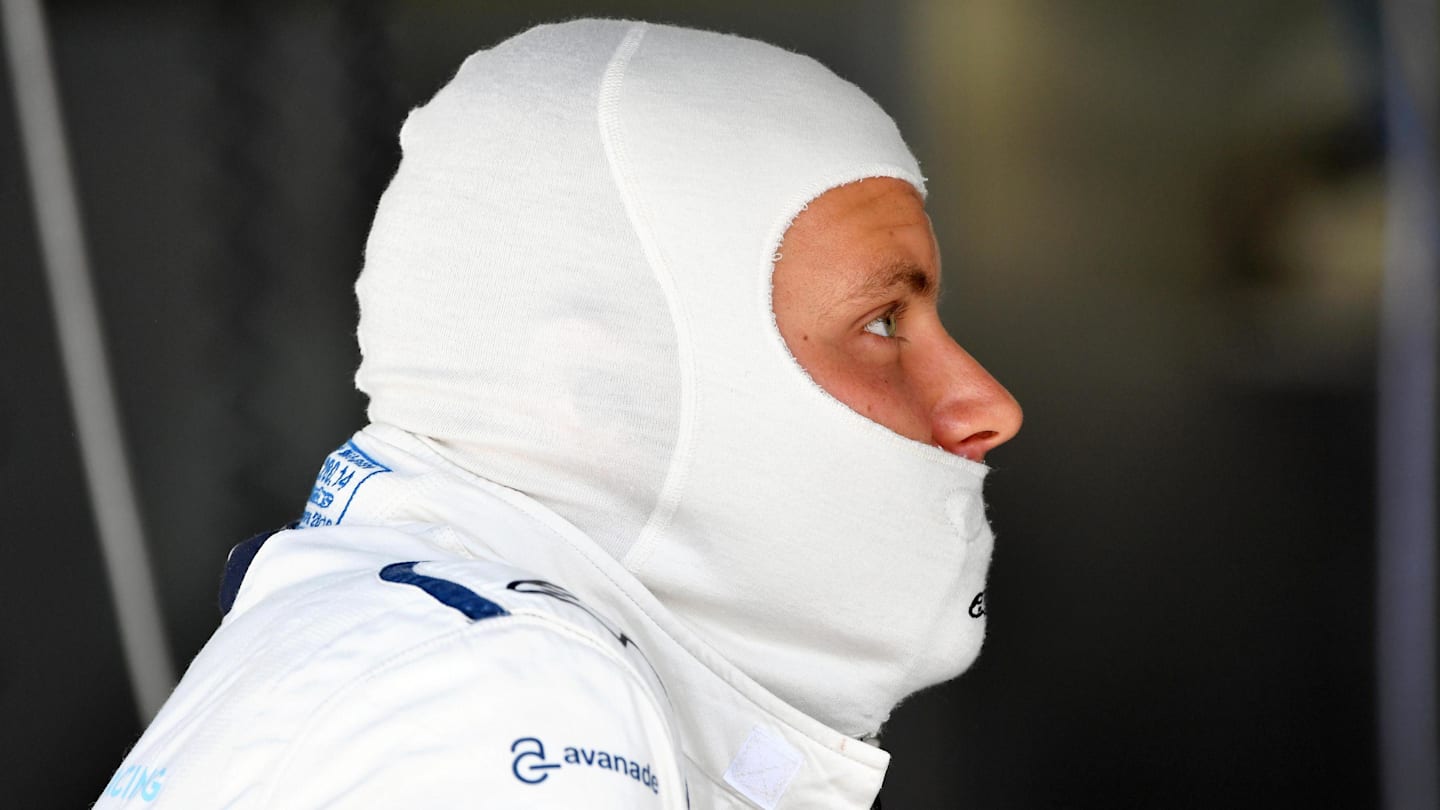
{"points": [[82, 352], [1407, 410]]}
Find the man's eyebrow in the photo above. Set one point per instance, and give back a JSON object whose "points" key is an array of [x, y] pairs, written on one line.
{"points": [[898, 274]]}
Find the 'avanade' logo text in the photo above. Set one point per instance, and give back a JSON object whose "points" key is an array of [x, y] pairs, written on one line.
{"points": [[531, 768]]}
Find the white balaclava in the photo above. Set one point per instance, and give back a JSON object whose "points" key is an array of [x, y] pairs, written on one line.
{"points": [[567, 291]]}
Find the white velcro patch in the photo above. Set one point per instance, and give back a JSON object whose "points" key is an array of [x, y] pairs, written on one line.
{"points": [[763, 768]]}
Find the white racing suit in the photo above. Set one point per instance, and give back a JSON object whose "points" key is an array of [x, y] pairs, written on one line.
{"points": [[426, 638]]}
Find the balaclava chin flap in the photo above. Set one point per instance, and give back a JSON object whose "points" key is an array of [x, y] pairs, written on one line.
{"points": [[567, 291]]}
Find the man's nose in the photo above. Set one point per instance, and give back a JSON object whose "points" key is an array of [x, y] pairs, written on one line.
{"points": [[972, 413]]}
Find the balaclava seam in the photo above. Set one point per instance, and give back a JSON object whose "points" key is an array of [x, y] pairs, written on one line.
{"points": [[612, 136]]}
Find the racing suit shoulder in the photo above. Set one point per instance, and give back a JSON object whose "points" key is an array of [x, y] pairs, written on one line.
{"points": [[523, 711], [374, 680]]}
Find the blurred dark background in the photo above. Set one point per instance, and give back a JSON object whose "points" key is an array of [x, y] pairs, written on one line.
{"points": [[1162, 227]]}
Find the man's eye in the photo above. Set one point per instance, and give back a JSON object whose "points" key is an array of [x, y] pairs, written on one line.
{"points": [[884, 326]]}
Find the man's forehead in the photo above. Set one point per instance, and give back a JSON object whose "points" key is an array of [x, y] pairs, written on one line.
{"points": [[864, 241]]}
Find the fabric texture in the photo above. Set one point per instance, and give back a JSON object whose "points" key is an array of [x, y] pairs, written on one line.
{"points": [[567, 291], [331, 685]]}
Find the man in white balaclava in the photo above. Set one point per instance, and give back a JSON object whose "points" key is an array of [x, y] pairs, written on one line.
{"points": [[672, 487]]}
